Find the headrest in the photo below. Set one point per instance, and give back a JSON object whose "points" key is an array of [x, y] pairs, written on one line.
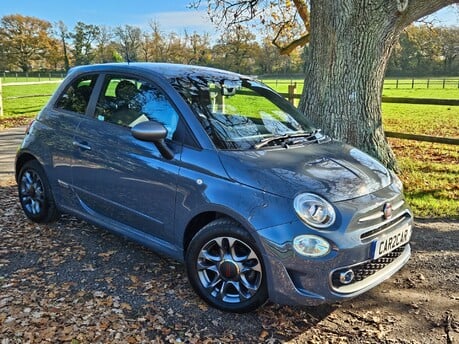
{"points": [[126, 90]]}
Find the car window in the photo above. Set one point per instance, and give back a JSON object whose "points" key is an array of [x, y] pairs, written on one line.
{"points": [[76, 96], [128, 101], [240, 114]]}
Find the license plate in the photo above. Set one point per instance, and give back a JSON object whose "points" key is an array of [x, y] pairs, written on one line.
{"points": [[391, 241]]}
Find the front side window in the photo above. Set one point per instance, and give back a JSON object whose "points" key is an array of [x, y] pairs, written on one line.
{"points": [[239, 114], [76, 96], [128, 101]]}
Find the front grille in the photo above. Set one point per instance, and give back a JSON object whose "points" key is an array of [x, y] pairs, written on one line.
{"points": [[367, 236], [368, 268]]}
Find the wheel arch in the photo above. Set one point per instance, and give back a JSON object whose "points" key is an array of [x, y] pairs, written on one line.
{"points": [[21, 160], [202, 219]]}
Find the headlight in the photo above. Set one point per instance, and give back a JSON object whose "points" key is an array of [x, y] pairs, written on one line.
{"points": [[311, 245], [396, 180], [314, 210]]}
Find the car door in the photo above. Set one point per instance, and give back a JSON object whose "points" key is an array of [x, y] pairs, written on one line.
{"points": [[61, 119], [117, 177]]}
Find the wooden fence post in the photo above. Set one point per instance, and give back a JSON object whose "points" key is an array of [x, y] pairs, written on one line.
{"points": [[1, 99], [291, 93]]}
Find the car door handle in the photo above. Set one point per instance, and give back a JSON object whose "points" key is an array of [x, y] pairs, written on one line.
{"points": [[84, 146]]}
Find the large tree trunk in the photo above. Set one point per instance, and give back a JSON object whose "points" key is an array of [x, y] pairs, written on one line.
{"points": [[351, 42]]}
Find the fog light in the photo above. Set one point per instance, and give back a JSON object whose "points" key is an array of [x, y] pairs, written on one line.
{"points": [[311, 246], [346, 277]]}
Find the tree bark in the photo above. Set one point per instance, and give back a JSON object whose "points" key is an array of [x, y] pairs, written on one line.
{"points": [[351, 42]]}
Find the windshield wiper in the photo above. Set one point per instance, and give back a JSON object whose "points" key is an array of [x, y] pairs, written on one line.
{"points": [[292, 139]]}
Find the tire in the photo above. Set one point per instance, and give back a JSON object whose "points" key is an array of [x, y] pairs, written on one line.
{"points": [[225, 267], [35, 194]]}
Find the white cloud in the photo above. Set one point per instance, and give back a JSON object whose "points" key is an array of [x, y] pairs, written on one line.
{"points": [[179, 21], [447, 16]]}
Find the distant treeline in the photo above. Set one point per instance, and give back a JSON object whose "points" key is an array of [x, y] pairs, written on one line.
{"points": [[29, 44]]}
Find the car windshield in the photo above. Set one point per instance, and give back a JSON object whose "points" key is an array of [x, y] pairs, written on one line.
{"points": [[241, 114]]}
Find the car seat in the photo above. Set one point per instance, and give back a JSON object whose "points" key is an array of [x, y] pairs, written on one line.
{"points": [[126, 105]]}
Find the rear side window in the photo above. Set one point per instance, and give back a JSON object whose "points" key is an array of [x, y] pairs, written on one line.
{"points": [[76, 96]]}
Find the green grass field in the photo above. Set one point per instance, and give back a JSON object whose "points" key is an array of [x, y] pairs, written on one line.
{"points": [[430, 171], [435, 90], [26, 107]]}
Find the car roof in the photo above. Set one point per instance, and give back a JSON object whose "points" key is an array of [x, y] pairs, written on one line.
{"points": [[167, 70]]}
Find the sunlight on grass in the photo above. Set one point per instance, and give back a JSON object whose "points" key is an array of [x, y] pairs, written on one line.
{"points": [[434, 120], [26, 106], [430, 175], [449, 93]]}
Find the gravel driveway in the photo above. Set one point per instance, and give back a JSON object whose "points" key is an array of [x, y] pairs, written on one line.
{"points": [[71, 282]]}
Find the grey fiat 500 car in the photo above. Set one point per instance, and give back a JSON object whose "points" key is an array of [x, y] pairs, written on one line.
{"points": [[217, 170]]}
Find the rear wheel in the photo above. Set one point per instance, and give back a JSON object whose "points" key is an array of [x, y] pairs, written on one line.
{"points": [[225, 267], [35, 194]]}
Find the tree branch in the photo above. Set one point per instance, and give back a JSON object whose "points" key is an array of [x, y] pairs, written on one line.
{"points": [[299, 42], [303, 11], [421, 8]]}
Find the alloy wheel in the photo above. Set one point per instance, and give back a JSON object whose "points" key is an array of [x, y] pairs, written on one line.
{"points": [[31, 192], [229, 269]]}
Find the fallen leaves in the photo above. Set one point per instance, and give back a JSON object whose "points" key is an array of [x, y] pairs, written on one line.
{"points": [[74, 283], [16, 121]]}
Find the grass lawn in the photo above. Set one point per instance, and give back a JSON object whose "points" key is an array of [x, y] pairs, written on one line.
{"points": [[439, 93], [435, 90], [430, 172], [433, 120], [26, 107]]}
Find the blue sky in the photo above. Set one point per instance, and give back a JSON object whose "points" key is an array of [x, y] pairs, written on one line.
{"points": [[172, 15]]}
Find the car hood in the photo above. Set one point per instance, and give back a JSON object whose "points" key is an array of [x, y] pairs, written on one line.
{"points": [[333, 170]]}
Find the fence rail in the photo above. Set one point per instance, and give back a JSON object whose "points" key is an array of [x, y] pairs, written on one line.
{"points": [[421, 83], [291, 96], [400, 100], [418, 83], [425, 138], [32, 76]]}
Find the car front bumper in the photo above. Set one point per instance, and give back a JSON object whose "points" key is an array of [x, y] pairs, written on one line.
{"points": [[297, 280]]}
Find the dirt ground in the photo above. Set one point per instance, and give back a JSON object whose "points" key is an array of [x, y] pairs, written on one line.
{"points": [[71, 282]]}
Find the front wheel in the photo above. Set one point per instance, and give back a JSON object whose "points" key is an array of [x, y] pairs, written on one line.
{"points": [[225, 267], [35, 194]]}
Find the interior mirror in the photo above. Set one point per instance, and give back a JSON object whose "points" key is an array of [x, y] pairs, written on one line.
{"points": [[229, 87], [228, 91]]}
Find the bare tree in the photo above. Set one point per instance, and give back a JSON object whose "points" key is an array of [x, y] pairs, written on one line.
{"points": [[198, 48], [129, 39], [104, 44], [63, 34]]}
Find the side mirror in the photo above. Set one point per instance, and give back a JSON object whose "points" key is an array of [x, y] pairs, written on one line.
{"points": [[149, 131], [155, 132]]}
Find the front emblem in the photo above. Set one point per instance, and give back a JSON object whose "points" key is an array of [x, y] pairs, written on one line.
{"points": [[387, 210]]}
